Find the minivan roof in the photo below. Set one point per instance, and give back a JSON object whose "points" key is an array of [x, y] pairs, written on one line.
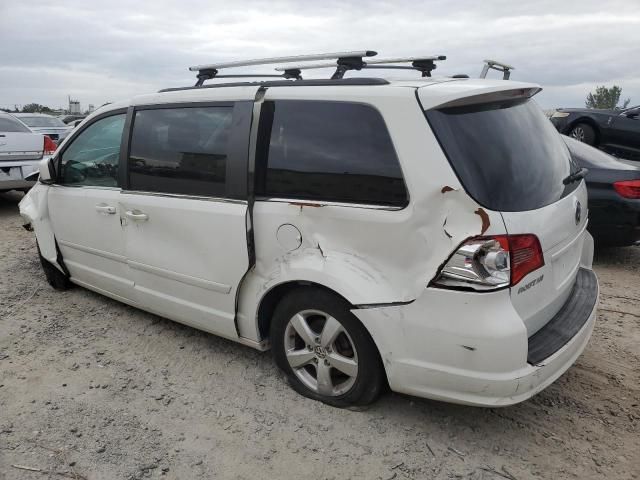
{"points": [[440, 89]]}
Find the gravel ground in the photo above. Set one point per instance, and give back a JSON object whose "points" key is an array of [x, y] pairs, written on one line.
{"points": [[90, 388]]}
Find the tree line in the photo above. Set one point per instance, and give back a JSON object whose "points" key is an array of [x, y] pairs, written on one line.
{"points": [[31, 108]]}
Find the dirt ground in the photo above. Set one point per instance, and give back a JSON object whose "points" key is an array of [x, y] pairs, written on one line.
{"points": [[91, 388]]}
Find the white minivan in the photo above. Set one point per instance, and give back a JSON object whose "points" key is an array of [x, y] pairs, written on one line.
{"points": [[428, 235]]}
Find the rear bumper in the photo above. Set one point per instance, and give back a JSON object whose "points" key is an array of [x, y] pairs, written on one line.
{"points": [[13, 174], [472, 348]]}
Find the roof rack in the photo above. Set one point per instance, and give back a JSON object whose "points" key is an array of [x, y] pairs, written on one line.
{"points": [[424, 64], [493, 65], [209, 71]]}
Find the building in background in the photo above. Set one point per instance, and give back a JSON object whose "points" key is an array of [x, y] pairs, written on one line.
{"points": [[74, 107]]}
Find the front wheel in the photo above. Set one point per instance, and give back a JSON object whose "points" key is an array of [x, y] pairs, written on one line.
{"points": [[583, 133], [324, 350]]}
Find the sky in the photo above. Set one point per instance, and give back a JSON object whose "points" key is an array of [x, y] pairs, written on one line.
{"points": [[99, 51]]}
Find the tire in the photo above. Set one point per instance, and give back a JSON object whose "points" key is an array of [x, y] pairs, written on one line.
{"points": [[583, 133], [55, 277], [347, 359]]}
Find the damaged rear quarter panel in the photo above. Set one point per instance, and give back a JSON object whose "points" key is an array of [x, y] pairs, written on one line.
{"points": [[369, 255]]}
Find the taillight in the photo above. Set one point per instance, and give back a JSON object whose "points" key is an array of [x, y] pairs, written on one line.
{"points": [[526, 256], [49, 146], [628, 188], [489, 263]]}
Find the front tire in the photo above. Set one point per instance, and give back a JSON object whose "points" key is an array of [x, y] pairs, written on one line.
{"points": [[583, 133], [324, 350]]}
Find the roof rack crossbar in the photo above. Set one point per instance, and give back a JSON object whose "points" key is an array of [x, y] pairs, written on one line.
{"points": [[209, 71], [424, 64], [493, 65]]}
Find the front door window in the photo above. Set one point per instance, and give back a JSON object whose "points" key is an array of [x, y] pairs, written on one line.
{"points": [[93, 156]]}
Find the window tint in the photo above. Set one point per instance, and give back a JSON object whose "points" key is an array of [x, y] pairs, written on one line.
{"points": [[92, 157], [508, 156], [180, 150], [332, 151], [8, 124]]}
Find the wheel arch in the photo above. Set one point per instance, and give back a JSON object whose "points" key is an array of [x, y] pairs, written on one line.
{"points": [[275, 294], [589, 121]]}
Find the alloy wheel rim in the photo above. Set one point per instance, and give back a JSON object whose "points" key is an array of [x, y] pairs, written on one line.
{"points": [[578, 134], [321, 353]]}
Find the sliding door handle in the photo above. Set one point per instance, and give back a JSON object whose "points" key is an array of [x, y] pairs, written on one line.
{"points": [[104, 208], [136, 215]]}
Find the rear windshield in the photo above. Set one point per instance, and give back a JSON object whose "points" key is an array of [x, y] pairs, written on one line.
{"points": [[8, 124], [507, 155], [43, 121]]}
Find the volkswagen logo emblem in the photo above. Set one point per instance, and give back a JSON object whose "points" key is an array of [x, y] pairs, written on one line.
{"points": [[578, 213], [320, 352]]}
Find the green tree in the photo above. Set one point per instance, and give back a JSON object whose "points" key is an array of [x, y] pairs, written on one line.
{"points": [[606, 98], [36, 108]]}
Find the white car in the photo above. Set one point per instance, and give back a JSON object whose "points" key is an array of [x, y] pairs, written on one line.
{"points": [[426, 233], [21, 150], [47, 125]]}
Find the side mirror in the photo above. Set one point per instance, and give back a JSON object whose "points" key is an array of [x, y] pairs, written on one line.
{"points": [[47, 170], [632, 114]]}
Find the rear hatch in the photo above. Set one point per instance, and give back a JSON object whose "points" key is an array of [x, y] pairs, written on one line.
{"points": [[510, 159]]}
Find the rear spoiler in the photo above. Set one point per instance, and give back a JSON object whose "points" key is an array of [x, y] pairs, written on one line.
{"points": [[491, 97]]}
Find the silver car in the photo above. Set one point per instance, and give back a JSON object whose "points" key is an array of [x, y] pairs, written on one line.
{"points": [[47, 125], [20, 152]]}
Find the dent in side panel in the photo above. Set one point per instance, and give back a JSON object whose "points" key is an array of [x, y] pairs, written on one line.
{"points": [[369, 255]]}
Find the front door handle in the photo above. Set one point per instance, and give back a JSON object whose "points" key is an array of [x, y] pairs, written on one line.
{"points": [[136, 215], [104, 208]]}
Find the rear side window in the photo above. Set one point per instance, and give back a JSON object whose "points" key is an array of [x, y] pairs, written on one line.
{"points": [[507, 155], [8, 124], [180, 150], [43, 122], [331, 151]]}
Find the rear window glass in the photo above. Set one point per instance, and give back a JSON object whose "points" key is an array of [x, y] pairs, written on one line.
{"points": [[331, 151], [8, 124], [507, 155], [43, 122], [180, 150]]}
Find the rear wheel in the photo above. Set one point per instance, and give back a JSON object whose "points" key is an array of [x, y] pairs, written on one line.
{"points": [[324, 350], [583, 133]]}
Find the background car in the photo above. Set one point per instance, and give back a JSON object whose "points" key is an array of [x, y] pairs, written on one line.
{"points": [[47, 125], [74, 123], [614, 195], [68, 119], [20, 151], [617, 131]]}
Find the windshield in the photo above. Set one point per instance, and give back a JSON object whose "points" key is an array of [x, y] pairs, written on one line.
{"points": [[507, 155], [43, 121]]}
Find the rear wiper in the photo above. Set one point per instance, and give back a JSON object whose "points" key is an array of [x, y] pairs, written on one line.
{"points": [[576, 176]]}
